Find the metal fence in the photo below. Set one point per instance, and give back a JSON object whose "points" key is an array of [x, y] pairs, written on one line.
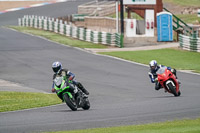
{"points": [[189, 43], [60, 27]]}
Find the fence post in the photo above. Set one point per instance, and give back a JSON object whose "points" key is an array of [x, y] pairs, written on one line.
{"points": [[58, 28], [70, 30], [47, 24], [91, 36], [29, 21], [95, 40], [104, 37], [108, 38], [84, 34], [61, 27], [181, 40], [65, 29], [99, 37], [42, 22], [88, 35], [53, 25], [193, 44], [19, 22], [78, 33], [38, 22]]}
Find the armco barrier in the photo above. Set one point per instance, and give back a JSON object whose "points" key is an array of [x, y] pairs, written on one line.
{"points": [[189, 43], [60, 27]]}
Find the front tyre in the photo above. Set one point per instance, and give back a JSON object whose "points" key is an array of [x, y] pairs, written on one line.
{"points": [[70, 102], [179, 93], [172, 89]]}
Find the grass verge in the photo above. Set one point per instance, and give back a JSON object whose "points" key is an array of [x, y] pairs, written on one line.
{"points": [[179, 59], [177, 126], [189, 18], [11, 101], [58, 38], [194, 3]]}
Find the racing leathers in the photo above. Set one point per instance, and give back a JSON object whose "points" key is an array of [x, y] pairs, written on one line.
{"points": [[153, 75], [70, 76]]}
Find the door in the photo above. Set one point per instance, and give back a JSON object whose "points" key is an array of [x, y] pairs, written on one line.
{"points": [[164, 27]]}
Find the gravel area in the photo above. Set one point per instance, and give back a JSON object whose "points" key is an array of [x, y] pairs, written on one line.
{"points": [[11, 86], [14, 4]]}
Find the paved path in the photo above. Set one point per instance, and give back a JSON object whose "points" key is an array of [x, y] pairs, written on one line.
{"points": [[166, 45]]}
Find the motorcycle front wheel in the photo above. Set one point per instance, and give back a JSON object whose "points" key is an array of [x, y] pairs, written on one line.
{"points": [[70, 102], [172, 89]]}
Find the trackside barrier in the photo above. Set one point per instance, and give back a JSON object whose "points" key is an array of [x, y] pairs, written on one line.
{"points": [[189, 43], [60, 27]]}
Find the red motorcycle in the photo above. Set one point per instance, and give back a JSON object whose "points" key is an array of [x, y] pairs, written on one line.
{"points": [[168, 81]]}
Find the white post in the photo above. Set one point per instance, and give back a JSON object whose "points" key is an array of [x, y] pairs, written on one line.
{"points": [[117, 16]]}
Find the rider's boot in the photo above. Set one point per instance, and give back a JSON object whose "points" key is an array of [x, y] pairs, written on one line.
{"points": [[179, 82], [157, 86], [60, 96], [83, 89]]}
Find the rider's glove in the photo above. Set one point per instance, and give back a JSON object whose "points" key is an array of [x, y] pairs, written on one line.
{"points": [[53, 90], [156, 79], [172, 70]]}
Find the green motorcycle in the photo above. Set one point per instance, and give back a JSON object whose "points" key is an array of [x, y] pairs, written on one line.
{"points": [[74, 98]]}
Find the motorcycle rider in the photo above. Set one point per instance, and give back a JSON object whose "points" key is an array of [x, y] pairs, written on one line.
{"points": [[154, 67], [59, 71]]}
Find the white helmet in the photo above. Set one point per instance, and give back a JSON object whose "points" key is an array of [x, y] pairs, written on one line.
{"points": [[56, 66], [153, 64]]}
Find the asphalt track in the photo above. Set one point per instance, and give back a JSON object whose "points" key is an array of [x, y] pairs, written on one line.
{"points": [[121, 93]]}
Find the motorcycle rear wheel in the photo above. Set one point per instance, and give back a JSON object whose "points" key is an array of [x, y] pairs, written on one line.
{"points": [[70, 102]]}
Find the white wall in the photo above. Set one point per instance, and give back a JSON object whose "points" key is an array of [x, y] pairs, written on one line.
{"points": [[149, 20], [130, 30]]}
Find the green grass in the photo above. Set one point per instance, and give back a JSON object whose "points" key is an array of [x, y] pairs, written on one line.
{"points": [[189, 18], [10, 101], [133, 16], [177, 126], [58, 38], [179, 59], [194, 3]]}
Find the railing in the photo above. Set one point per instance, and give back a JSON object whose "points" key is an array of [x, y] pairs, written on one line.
{"points": [[58, 26], [180, 24], [189, 43]]}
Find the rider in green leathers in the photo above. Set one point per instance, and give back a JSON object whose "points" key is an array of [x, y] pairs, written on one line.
{"points": [[59, 71]]}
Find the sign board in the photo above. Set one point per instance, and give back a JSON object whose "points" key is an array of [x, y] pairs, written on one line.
{"points": [[139, 2]]}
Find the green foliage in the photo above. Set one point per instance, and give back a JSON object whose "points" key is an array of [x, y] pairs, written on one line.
{"points": [[178, 59], [194, 3], [11, 101], [177, 126], [189, 18], [58, 38], [133, 16]]}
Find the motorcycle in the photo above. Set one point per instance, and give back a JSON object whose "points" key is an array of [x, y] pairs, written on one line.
{"points": [[74, 100], [168, 81]]}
